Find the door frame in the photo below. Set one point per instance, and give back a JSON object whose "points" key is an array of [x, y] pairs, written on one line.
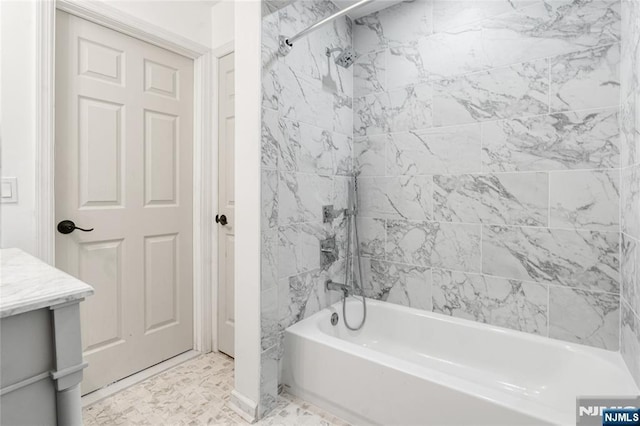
{"points": [[205, 177], [218, 53]]}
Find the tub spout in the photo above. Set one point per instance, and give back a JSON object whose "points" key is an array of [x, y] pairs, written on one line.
{"points": [[331, 285]]}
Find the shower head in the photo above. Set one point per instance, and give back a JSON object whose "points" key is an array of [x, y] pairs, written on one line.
{"points": [[346, 58]]}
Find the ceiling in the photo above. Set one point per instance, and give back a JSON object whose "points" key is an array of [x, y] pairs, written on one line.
{"points": [[366, 9]]}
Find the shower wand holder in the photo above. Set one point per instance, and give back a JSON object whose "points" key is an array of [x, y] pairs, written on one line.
{"points": [[329, 213]]}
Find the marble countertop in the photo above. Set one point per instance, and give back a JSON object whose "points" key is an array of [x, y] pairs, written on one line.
{"points": [[27, 284]]}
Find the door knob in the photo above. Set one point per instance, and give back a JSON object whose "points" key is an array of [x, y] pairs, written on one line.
{"points": [[67, 227], [222, 219]]}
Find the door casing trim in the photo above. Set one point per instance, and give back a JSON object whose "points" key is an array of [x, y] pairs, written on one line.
{"points": [[205, 178], [218, 53]]}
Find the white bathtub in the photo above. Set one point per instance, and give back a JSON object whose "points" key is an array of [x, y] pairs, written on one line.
{"points": [[411, 367]]}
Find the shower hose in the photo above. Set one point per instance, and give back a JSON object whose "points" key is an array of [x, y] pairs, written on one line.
{"points": [[351, 217]]}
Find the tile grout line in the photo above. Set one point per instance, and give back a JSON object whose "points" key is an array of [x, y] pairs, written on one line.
{"points": [[479, 173], [434, 77], [549, 85], [548, 311], [549, 201], [487, 224], [435, 128], [549, 284], [620, 240]]}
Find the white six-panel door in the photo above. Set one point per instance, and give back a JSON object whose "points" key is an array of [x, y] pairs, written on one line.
{"points": [[123, 150], [226, 203]]}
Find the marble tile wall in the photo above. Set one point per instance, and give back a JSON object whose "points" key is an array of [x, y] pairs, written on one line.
{"points": [[487, 137], [307, 144], [630, 185]]}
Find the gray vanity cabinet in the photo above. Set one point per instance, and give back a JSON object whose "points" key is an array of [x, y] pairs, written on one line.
{"points": [[40, 343], [26, 353]]}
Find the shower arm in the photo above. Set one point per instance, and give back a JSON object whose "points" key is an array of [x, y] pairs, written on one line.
{"points": [[286, 43]]}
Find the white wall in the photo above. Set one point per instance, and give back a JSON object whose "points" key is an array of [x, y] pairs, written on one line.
{"points": [[17, 115], [248, 23], [223, 23], [240, 22], [190, 19]]}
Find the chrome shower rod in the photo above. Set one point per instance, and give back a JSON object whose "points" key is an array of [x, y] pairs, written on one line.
{"points": [[286, 43]]}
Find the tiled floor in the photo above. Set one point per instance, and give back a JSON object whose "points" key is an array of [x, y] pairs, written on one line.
{"points": [[195, 393]]}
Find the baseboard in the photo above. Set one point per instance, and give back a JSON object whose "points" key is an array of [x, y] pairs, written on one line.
{"points": [[243, 406], [120, 385]]}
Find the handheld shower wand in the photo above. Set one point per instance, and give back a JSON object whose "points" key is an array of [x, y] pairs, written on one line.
{"points": [[351, 215]]}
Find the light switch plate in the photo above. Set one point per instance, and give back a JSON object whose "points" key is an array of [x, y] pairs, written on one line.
{"points": [[9, 190]]}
